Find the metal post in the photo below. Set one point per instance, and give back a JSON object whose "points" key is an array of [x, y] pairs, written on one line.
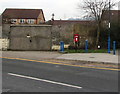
{"points": [[109, 30], [114, 47], [76, 46], [62, 46], [108, 44], [86, 46]]}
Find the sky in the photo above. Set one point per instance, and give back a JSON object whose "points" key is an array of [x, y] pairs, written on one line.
{"points": [[62, 9]]}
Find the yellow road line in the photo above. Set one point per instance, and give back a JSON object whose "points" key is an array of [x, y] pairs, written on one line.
{"points": [[62, 64]]}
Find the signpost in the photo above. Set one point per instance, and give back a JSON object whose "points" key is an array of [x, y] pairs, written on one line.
{"points": [[114, 47], [86, 46]]}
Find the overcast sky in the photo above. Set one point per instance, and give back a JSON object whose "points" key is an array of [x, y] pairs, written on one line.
{"points": [[63, 9]]}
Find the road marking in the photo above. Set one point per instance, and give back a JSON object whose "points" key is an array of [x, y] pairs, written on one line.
{"points": [[62, 64], [48, 81]]}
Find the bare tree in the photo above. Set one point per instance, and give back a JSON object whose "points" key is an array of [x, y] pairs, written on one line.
{"points": [[95, 9]]}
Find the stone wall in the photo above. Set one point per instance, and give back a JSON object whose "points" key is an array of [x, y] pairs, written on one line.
{"points": [[86, 32], [45, 37], [65, 30], [4, 44], [30, 37]]}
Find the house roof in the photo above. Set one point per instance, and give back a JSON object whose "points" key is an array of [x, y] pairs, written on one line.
{"points": [[22, 13]]}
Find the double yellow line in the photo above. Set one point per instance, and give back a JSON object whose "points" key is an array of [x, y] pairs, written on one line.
{"points": [[62, 64]]}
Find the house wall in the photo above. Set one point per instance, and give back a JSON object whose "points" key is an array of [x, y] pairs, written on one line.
{"points": [[114, 28], [40, 19], [114, 15], [18, 22], [40, 37]]}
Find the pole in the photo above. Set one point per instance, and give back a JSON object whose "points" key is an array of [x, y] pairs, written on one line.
{"points": [[114, 47], [108, 44], [109, 31], [86, 46], [76, 46], [62, 46]]}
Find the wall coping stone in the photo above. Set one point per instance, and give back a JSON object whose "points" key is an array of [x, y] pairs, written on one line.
{"points": [[31, 25]]}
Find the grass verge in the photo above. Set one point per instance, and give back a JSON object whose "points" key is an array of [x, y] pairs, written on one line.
{"points": [[89, 51]]}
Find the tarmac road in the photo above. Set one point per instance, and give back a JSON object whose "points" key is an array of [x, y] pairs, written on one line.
{"points": [[27, 76]]}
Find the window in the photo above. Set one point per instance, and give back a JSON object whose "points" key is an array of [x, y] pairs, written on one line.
{"points": [[22, 20], [13, 20], [30, 21]]}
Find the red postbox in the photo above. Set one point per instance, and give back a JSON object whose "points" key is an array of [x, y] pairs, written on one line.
{"points": [[76, 37]]}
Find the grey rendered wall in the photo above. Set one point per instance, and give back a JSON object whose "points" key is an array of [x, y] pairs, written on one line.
{"points": [[5, 30], [40, 37]]}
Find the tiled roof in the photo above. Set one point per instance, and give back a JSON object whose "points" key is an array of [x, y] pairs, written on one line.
{"points": [[21, 13]]}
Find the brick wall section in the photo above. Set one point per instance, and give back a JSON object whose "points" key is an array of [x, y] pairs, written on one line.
{"points": [[40, 19]]}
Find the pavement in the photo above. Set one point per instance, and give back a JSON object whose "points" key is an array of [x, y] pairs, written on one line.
{"points": [[39, 55], [92, 57]]}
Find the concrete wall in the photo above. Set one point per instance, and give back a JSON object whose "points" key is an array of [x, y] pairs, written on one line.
{"points": [[40, 37]]}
